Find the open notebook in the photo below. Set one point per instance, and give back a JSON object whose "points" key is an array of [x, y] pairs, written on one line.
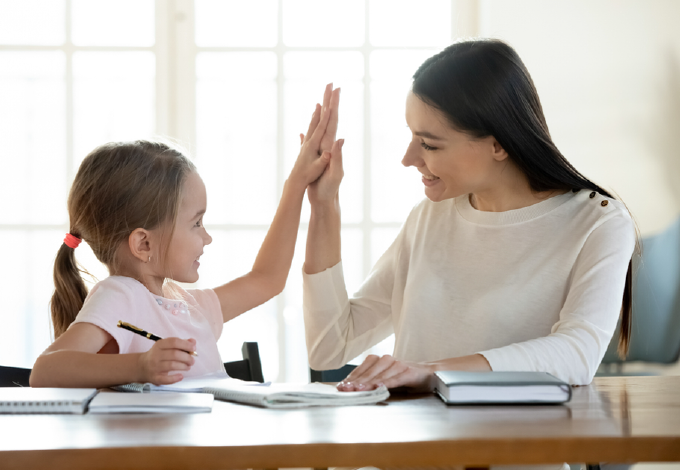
{"points": [[268, 395]]}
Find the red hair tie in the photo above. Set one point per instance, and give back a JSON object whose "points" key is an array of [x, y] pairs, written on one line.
{"points": [[72, 241]]}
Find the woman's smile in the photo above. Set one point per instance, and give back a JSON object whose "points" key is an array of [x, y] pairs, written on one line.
{"points": [[430, 180]]}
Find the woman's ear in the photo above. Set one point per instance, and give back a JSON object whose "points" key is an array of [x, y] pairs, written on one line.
{"points": [[497, 151], [139, 242]]}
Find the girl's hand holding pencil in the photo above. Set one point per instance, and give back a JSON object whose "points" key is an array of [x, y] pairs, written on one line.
{"points": [[158, 364], [164, 362]]}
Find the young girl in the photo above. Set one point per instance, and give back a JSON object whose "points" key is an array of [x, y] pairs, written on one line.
{"points": [[140, 206]]}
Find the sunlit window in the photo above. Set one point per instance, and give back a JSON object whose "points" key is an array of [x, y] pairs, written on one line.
{"points": [[235, 83]]}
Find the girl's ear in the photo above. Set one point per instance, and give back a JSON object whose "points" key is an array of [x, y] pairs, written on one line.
{"points": [[139, 242], [497, 151]]}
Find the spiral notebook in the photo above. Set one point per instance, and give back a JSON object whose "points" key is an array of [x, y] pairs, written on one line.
{"points": [[267, 395], [19, 400]]}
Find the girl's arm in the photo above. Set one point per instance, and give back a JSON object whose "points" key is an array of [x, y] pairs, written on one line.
{"points": [[72, 361], [270, 270]]}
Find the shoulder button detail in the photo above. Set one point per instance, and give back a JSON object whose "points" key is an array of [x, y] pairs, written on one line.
{"points": [[592, 195], [604, 203]]}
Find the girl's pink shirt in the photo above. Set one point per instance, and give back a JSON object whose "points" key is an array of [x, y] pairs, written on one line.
{"points": [[194, 314]]}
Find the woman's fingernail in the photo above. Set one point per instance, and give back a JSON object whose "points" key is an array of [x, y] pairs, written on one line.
{"points": [[360, 386]]}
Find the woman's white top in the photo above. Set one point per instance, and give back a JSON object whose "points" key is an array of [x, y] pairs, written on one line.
{"points": [[533, 289]]}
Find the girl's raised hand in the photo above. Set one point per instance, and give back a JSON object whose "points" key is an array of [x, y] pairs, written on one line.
{"points": [[165, 356]]}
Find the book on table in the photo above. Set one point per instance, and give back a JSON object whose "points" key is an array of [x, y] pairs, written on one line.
{"points": [[113, 402], [268, 395], [469, 388], [45, 400]]}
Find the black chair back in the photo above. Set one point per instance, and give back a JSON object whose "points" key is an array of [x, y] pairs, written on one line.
{"points": [[14, 377], [335, 375], [249, 368]]}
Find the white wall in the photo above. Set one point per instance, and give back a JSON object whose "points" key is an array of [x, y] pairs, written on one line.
{"points": [[608, 74]]}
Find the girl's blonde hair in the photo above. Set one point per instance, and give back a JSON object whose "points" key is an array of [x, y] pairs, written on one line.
{"points": [[119, 187]]}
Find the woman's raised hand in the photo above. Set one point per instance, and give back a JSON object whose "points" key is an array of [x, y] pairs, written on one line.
{"points": [[331, 101], [166, 356], [390, 372], [325, 189]]}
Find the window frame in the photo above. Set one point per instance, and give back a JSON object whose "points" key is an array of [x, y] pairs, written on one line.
{"points": [[175, 107]]}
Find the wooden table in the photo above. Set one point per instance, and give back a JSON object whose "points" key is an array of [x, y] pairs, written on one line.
{"points": [[615, 419]]}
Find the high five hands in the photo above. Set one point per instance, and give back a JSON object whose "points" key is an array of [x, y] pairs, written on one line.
{"points": [[320, 137]]}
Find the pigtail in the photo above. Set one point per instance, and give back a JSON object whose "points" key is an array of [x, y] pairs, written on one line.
{"points": [[69, 290]]}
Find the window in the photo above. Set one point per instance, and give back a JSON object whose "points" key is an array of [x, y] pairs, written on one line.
{"points": [[234, 82]]}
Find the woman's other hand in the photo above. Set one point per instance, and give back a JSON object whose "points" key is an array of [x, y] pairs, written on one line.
{"points": [[390, 372], [416, 376], [164, 362]]}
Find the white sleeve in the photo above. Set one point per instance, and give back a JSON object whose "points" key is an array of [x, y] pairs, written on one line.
{"points": [[337, 328], [577, 342]]}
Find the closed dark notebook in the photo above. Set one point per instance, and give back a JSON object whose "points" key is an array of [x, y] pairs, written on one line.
{"points": [[468, 388]]}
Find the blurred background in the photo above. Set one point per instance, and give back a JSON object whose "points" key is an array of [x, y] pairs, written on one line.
{"points": [[235, 82]]}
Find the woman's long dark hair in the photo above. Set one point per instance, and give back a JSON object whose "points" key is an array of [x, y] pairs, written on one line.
{"points": [[484, 89]]}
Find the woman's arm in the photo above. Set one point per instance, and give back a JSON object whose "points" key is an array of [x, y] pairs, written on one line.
{"points": [[72, 361], [339, 328], [576, 344], [323, 237], [270, 270]]}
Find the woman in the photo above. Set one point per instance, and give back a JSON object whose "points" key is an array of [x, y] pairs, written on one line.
{"points": [[514, 261]]}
